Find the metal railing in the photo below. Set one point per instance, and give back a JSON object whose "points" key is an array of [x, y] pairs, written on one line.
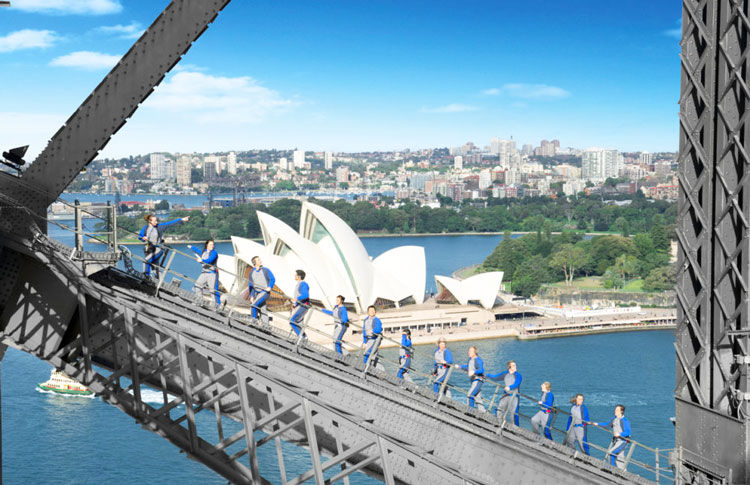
{"points": [[376, 364]]}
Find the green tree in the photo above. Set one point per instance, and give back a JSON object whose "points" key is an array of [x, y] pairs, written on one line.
{"points": [[626, 265], [569, 258], [612, 279], [606, 249], [659, 234], [530, 276], [651, 262], [285, 185], [660, 279], [507, 256], [643, 244], [162, 205]]}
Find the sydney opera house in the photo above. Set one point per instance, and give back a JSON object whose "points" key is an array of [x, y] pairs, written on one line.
{"points": [[336, 263]]}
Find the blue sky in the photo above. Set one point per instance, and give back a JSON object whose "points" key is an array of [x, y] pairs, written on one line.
{"points": [[355, 75]]}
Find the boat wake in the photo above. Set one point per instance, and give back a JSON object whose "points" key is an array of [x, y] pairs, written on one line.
{"points": [[152, 396], [42, 391]]}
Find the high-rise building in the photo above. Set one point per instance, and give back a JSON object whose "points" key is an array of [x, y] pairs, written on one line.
{"points": [[458, 162], [283, 163], [209, 170], [158, 169], [342, 174], [298, 158], [547, 148], [215, 162], [506, 151], [232, 163], [184, 168], [495, 146], [645, 158], [170, 170], [418, 181], [328, 161], [600, 163], [527, 149], [485, 178]]}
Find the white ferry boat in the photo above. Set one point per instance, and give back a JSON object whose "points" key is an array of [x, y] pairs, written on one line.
{"points": [[60, 383]]}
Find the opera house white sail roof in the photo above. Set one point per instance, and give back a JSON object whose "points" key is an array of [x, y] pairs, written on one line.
{"points": [[334, 259], [482, 288]]}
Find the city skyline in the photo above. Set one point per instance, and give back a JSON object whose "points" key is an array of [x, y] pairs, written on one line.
{"points": [[343, 77]]}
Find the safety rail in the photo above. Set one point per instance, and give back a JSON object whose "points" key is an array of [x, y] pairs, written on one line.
{"points": [[232, 301]]}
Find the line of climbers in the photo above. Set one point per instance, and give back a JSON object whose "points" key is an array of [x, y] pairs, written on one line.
{"points": [[509, 401], [372, 330], [261, 281]]}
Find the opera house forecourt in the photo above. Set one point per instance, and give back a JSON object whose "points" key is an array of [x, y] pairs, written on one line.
{"points": [[336, 263]]}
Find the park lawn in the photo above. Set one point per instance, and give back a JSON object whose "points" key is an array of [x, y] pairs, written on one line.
{"points": [[633, 285], [585, 283], [595, 283]]}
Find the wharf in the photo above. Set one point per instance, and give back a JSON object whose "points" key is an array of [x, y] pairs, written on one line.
{"points": [[430, 321]]}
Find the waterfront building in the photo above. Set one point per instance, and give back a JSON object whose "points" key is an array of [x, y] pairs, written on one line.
{"points": [[209, 170], [184, 167], [158, 168], [170, 170]]}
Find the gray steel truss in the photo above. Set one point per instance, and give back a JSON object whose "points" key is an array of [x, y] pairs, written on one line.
{"points": [[712, 347]]}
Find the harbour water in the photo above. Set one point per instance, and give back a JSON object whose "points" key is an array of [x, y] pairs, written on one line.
{"points": [[54, 439]]}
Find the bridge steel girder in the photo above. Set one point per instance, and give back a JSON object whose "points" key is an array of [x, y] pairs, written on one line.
{"points": [[713, 231], [102, 329]]}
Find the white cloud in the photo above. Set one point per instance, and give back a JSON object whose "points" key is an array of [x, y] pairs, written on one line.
{"points": [[451, 108], [33, 129], [86, 60], [534, 91], [491, 92], [27, 39], [132, 31], [675, 32], [207, 98], [69, 7]]}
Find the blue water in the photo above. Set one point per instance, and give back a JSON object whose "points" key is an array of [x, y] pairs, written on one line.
{"points": [[54, 439]]}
